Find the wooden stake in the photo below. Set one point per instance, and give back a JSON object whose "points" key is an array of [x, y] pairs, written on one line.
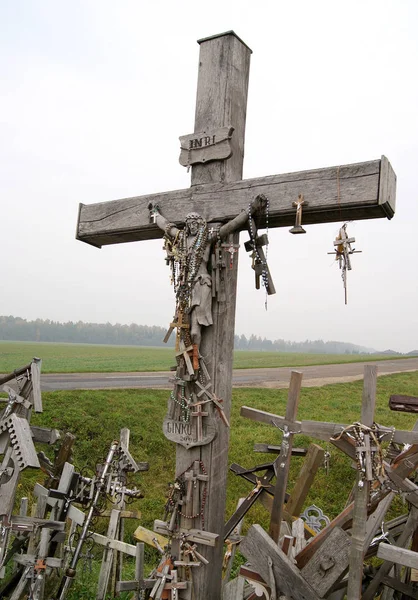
{"points": [[283, 463], [362, 494]]}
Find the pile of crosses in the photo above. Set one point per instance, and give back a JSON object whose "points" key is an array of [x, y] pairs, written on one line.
{"points": [[295, 562], [39, 553], [299, 558]]}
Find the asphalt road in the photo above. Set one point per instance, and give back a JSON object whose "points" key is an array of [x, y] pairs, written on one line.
{"points": [[272, 378]]}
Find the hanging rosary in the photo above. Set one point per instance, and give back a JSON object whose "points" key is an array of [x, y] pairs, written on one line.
{"points": [[259, 256]]}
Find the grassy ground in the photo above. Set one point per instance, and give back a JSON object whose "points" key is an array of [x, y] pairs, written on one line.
{"points": [[96, 417], [94, 358]]}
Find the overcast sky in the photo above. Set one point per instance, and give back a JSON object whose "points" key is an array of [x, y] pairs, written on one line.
{"points": [[93, 97]]}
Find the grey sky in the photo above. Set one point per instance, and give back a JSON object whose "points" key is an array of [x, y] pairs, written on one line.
{"points": [[93, 97]]}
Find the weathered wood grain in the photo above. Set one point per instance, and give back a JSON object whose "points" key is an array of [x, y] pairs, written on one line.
{"points": [[35, 370], [124, 547], [150, 537], [271, 449], [408, 591], [403, 403], [361, 499], [258, 547], [329, 563], [44, 434], [234, 589], [314, 459], [108, 556], [401, 556], [282, 462], [360, 196], [221, 101], [385, 568]]}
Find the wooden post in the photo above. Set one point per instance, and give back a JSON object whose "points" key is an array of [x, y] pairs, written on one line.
{"points": [[385, 568], [223, 65], [283, 461], [313, 460], [362, 493]]}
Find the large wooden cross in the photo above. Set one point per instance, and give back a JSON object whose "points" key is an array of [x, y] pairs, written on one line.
{"points": [[348, 192]]}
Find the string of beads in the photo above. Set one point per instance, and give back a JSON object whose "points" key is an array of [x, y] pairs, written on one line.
{"points": [[183, 401], [178, 490], [259, 259]]}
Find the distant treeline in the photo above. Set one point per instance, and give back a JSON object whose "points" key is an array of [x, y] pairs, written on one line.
{"points": [[17, 329]]}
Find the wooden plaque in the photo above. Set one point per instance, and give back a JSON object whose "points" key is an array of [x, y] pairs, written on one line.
{"points": [[205, 146], [185, 434]]}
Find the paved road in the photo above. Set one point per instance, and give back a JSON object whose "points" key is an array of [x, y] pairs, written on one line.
{"points": [[272, 378]]}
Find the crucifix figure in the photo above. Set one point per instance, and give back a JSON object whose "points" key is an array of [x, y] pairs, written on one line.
{"points": [[298, 224], [189, 251], [218, 193]]}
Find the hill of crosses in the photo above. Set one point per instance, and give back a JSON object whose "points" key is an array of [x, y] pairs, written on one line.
{"points": [[303, 555]]}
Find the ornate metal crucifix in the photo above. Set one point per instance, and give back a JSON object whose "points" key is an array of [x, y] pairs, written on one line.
{"points": [[218, 194]]}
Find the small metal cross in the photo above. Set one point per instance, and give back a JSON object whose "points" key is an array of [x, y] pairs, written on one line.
{"points": [[298, 224]]}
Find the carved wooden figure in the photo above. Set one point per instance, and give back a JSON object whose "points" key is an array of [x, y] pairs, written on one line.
{"points": [[218, 194]]}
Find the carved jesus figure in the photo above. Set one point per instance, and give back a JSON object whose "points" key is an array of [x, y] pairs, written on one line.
{"points": [[188, 252]]}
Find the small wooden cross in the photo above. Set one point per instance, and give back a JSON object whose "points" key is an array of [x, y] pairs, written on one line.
{"points": [[198, 415], [211, 398], [184, 352], [204, 389], [192, 501], [179, 324]]}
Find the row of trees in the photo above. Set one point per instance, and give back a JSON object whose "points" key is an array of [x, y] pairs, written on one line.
{"points": [[17, 329]]}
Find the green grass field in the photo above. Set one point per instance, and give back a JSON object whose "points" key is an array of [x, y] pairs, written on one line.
{"points": [[94, 358], [96, 417]]}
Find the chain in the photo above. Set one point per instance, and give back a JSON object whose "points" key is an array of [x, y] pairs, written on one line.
{"points": [[183, 402], [180, 479], [184, 263]]}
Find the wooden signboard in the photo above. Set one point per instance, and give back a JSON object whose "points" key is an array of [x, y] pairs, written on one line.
{"points": [[186, 434], [205, 146]]}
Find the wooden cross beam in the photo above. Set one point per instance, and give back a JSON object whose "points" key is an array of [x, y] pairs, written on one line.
{"points": [[322, 430], [366, 191], [218, 193]]}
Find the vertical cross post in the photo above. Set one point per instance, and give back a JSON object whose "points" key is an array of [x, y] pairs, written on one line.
{"points": [[362, 493], [283, 461], [221, 101]]}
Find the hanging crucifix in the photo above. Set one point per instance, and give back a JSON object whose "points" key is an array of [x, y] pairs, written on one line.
{"points": [[219, 194], [343, 250], [297, 228]]}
